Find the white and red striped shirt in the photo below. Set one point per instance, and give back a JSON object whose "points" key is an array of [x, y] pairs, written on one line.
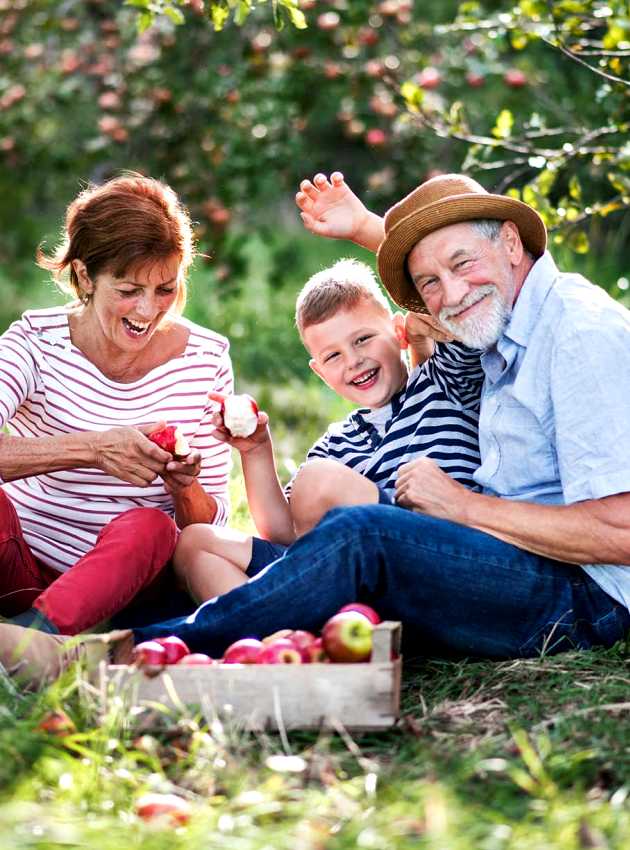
{"points": [[48, 388]]}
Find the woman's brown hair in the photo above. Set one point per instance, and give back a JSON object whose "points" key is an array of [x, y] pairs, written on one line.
{"points": [[119, 227]]}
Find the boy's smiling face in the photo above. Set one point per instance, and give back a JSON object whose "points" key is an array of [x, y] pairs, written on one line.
{"points": [[357, 352]]}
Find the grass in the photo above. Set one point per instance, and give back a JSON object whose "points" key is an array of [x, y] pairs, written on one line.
{"points": [[520, 754]]}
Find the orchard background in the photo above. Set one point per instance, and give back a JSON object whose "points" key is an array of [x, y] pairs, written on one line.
{"points": [[233, 103]]}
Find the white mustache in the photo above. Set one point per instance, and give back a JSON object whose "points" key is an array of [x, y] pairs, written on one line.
{"points": [[467, 301]]}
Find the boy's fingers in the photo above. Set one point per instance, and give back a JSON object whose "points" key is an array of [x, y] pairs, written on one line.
{"points": [[336, 178], [321, 181]]}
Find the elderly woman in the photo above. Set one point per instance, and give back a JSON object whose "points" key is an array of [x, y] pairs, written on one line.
{"points": [[89, 505]]}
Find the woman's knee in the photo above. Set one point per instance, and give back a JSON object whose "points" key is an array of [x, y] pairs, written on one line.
{"points": [[147, 526]]}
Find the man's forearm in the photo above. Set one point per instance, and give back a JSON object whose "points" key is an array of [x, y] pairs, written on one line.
{"points": [[594, 531]]}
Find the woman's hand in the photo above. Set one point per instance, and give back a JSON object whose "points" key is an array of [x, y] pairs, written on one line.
{"points": [[180, 474], [127, 453], [330, 208]]}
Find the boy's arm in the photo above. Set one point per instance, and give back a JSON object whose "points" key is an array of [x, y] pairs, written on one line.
{"points": [[457, 370], [266, 500], [330, 208]]}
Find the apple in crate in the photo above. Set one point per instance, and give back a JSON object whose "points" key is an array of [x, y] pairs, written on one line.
{"points": [[240, 414], [171, 439], [243, 651], [149, 652], [196, 659], [167, 807], [315, 652], [281, 651], [347, 637], [175, 648], [360, 608]]}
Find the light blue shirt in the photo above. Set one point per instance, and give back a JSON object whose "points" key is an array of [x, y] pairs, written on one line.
{"points": [[555, 407]]}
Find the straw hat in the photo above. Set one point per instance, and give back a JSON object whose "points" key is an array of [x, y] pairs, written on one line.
{"points": [[440, 201]]}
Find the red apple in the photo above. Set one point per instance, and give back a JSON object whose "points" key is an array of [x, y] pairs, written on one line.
{"points": [[243, 651], [281, 651], [240, 414], [348, 637], [194, 659], [149, 652], [360, 608], [316, 652], [170, 807], [175, 648], [429, 78], [515, 78], [56, 723], [171, 439], [281, 633]]}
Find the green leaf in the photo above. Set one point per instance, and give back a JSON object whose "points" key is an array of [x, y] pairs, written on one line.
{"points": [[504, 123], [412, 94], [575, 189], [578, 242], [175, 15]]}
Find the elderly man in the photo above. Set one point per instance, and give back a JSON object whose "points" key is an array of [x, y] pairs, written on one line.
{"points": [[536, 560]]}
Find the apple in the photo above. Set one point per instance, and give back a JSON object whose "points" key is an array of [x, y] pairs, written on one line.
{"points": [[515, 78], [149, 652], [194, 659], [281, 651], [328, 21], [175, 648], [169, 807], [240, 414], [360, 608], [56, 723], [243, 651], [316, 652], [171, 439], [281, 633], [429, 78], [347, 637], [375, 137], [475, 80]]}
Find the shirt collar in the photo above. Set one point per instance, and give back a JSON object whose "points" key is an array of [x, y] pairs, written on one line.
{"points": [[534, 291]]}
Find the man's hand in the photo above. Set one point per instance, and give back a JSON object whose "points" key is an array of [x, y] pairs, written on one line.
{"points": [[330, 208], [422, 486]]}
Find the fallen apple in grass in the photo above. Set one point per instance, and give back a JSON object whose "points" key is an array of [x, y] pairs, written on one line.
{"points": [[281, 651], [360, 608], [243, 651], [56, 723], [347, 637], [168, 807], [171, 439], [240, 414], [175, 648], [149, 653]]}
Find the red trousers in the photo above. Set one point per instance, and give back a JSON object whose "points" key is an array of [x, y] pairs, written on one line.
{"points": [[129, 554]]}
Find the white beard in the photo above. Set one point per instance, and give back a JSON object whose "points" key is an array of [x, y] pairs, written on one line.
{"points": [[484, 328]]}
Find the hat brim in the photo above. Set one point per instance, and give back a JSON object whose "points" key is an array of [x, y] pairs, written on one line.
{"points": [[398, 242]]}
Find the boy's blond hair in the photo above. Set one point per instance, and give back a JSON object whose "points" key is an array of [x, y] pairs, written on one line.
{"points": [[339, 287]]}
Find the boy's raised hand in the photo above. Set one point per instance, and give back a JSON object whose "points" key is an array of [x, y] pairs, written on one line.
{"points": [[330, 208], [260, 437]]}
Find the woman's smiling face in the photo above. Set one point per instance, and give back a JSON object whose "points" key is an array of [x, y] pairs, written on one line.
{"points": [[124, 312]]}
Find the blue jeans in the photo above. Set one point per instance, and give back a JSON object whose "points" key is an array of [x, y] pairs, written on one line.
{"points": [[457, 591]]}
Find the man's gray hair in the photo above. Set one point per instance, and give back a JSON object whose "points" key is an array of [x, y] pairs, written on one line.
{"points": [[488, 227]]}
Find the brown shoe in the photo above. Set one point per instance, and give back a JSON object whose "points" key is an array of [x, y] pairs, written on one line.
{"points": [[35, 658]]}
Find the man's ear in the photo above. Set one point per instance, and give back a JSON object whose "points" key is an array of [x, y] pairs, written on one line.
{"points": [[398, 322], [512, 241]]}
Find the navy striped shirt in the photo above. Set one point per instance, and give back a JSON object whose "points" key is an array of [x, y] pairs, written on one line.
{"points": [[436, 416]]}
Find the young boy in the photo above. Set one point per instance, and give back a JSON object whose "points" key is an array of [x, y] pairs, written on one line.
{"points": [[356, 346]]}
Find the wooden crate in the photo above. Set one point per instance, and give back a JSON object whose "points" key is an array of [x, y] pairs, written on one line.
{"points": [[276, 696]]}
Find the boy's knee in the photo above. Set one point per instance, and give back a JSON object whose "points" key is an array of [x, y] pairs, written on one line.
{"points": [[317, 483]]}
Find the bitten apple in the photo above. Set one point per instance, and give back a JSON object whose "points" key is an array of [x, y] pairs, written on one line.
{"points": [[240, 414], [175, 648], [171, 439], [168, 807], [347, 637], [360, 608], [243, 651]]}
